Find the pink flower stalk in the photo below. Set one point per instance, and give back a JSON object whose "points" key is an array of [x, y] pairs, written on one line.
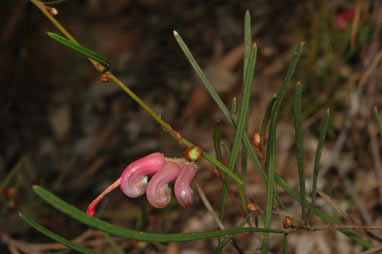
{"points": [[134, 181]]}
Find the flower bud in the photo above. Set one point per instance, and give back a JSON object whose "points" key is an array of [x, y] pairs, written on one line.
{"points": [[105, 78], [287, 222], [193, 153], [257, 140]]}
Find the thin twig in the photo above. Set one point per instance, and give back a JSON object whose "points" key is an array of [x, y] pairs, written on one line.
{"points": [[208, 205]]}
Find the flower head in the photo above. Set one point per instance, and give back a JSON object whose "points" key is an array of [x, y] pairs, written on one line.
{"points": [[134, 181]]}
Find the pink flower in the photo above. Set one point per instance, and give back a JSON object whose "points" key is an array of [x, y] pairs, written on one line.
{"points": [[134, 181]]}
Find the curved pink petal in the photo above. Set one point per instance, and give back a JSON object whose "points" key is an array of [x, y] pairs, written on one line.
{"points": [[134, 177], [158, 193], [182, 187]]}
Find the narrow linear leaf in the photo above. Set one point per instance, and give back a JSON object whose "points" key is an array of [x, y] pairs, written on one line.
{"points": [[265, 121], [285, 245], [112, 229], [202, 76], [247, 51], [378, 120], [270, 160], [247, 40], [56, 2], [243, 118], [56, 237], [317, 158], [82, 50], [299, 146]]}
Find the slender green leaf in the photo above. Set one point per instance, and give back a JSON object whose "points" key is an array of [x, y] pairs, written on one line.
{"points": [[247, 51], [323, 129], [56, 237], [82, 50], [299, 146], [270, 161], [247, 40], [202, 77], [112, 229], [285, 248], [243, 117], [378, 120], [56, 2], [265, 121]]}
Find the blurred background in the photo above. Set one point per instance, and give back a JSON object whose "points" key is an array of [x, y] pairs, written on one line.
{"points": [[63, 129]]}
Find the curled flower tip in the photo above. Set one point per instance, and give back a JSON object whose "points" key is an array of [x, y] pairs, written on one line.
{"points": [[92, 206], [134, 177], [158, 193], [182, 189]]}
